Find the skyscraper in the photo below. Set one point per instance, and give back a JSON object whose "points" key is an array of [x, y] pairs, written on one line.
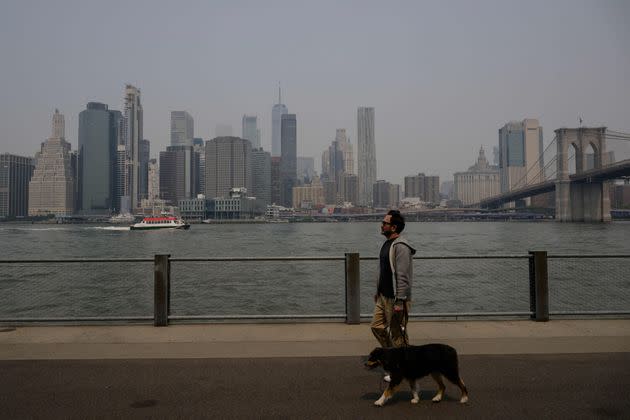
{"points": [[182, 128], [52, 186], [277, 112], [200, 151], [288, 158], [177, 174], [98, 139], [520, 148], [250, 130], [15, 174], [228, 165], [346, 149], [366, 155], [143, 172], [261, 175], [132, 125]]}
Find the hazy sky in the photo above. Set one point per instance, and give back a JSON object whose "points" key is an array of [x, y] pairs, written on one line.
{"points": [[443, 76]]}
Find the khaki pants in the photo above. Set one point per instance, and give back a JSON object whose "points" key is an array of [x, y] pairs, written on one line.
{"points": [[389, 327]]}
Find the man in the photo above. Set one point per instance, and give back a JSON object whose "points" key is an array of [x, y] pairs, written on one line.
{"points": [[393, 292]]}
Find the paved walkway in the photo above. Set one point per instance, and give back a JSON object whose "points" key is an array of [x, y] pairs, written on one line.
{"points": [[513, 369], [307, 339]]}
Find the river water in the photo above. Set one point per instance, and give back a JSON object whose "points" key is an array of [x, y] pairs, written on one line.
{"points": [[298, 288]]}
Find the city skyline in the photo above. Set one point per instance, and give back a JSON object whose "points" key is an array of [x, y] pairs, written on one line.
{"points": [[440, 91]]}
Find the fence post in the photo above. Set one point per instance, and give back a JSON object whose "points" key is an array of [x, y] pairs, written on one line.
{"points": [[353, 280], [161, 290], [539, 285]]}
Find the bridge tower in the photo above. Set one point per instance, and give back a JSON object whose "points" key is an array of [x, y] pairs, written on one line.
{"points": [[581, 202]]}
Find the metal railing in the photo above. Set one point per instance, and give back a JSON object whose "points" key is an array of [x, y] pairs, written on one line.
{"points": [[307, 288]]}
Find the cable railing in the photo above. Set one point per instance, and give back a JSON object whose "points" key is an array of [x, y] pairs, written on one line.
{"points": [[307, 288]]}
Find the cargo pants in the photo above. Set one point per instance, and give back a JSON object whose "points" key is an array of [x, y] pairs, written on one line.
{"points": [[390, 327]]}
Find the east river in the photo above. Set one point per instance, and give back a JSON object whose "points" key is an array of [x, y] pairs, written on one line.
{"points": [[304, 288]]}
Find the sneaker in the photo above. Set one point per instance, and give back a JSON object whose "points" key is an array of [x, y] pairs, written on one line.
{"points": [[387, 378]]}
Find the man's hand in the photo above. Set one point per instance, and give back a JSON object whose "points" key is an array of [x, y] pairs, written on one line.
{"points": [[399, 305]]}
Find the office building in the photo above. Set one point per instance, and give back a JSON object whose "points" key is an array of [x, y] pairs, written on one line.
{"points": [[261, 175], [236, 205], [98, 141], [426, 188], [480, 181], [143, 173], [15, 175], [520, 154], [177, 174], [250, 130], [228, 165], [346, 149], [275, 179], [277, 112], [52, 186], [386, 195], [154, 181], [366, 155], [349, 188], [305, 169], [309, 196], [132, 126], [288, 158], [200, 149], [182, 128]]}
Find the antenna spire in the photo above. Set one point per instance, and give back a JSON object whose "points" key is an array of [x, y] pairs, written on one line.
{"points": [[279, 94]]}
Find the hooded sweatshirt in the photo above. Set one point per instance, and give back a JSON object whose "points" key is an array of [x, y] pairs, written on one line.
{"points": [[400, 260]]}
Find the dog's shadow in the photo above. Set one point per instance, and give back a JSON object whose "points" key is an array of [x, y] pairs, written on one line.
{"points": [[402, 396]]}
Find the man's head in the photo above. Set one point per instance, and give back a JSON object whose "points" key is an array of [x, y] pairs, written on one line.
{"points": [[393, 224]]}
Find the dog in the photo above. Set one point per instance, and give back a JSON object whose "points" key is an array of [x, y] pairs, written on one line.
{"points": [[415, 362]]}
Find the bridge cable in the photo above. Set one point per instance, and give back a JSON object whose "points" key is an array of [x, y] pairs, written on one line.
{"points": [[533, 166]]}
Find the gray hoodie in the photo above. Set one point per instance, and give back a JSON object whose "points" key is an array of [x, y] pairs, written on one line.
{"points": [[400, 259]]}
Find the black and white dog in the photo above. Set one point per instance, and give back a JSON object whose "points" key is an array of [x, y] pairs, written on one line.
{"points": [[415, 362]]}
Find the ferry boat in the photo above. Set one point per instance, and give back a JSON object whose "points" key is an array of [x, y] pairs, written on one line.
{"points": [[163, 222]]}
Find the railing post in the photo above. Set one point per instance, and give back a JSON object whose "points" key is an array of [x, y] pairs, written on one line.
{"points": [[539, 285], [353, 280], [161, 290]]}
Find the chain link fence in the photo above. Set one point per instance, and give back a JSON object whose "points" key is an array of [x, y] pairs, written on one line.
{"points": [[589, 284], [77, 290], [451, 286], [291, 288]]}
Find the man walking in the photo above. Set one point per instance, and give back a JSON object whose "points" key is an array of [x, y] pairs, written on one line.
{"points": [[393, 292]]}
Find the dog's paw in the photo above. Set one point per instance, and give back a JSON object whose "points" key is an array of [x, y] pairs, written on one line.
{"points": [[464, 399], [380, 402], [437, 398], [415, 401]]}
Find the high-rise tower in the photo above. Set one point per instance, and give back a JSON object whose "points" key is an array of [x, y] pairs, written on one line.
{"points": [[182, 128], [132, 125], [520, 147], [366, 155], [228, 165], [52, 187], [98, 140], [250, 130], [288, 159], [277, 112]]}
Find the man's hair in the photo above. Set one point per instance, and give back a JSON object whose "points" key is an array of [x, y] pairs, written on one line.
{"points": [[397, 220]]}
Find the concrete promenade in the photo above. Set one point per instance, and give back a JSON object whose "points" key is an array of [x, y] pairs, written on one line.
{"points": [[513, 369]]}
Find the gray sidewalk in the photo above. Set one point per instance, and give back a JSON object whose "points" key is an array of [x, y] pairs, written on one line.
{"points": [[513, 369], [306, 339]]}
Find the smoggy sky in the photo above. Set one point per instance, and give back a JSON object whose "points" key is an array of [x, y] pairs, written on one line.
{"points": [[443, 76]]}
